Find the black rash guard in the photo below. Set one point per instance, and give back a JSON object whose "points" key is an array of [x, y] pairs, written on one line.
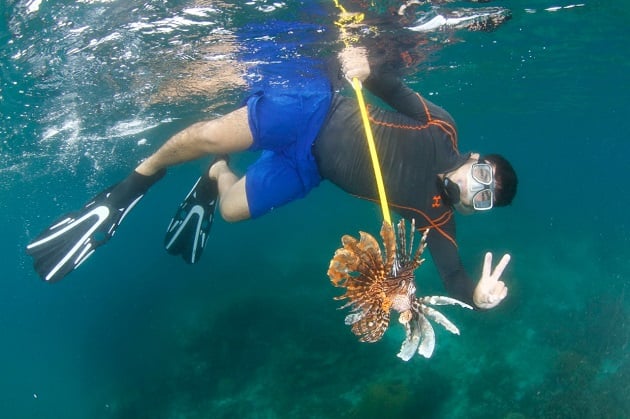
{"points": [[414, 145]]}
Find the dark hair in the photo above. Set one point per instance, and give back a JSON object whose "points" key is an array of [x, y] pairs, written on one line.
{"points": [[504, 178]]}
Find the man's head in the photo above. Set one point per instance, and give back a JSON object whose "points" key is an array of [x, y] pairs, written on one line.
{"points": [[481, 183], [505, 179]]}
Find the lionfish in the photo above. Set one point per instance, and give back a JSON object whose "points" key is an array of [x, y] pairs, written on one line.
{"points": [[376, 284]]}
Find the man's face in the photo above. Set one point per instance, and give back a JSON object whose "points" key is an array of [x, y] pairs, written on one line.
{"points": [[476, 185]]}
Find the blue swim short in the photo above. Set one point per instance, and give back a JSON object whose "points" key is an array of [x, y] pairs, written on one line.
{"points": [[284, 123]]}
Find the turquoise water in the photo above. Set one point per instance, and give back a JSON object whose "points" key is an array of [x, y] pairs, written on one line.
{"points": [[90, 88]]}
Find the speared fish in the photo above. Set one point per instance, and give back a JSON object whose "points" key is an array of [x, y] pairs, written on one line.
{"points": [[376, 284]]}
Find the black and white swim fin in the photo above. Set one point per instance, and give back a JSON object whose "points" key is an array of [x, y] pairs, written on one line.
{"points": [[187, 233], [66, 244]]}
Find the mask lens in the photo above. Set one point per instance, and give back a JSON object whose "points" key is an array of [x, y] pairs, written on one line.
{"points": [[482, 200], [482, 173]]}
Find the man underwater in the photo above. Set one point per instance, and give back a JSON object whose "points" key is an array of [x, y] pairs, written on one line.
{"points": [[308, 133]]}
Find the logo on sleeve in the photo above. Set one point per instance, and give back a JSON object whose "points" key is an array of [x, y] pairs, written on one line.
{"points": [[437, 201]]}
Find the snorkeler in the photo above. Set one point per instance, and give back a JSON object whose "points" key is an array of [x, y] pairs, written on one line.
{"points": [[308, 133]]}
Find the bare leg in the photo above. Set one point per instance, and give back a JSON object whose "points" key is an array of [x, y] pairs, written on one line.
{"points": [[227, 134], [233, 196]]}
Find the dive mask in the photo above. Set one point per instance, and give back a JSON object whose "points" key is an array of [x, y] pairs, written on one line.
{"points": [[480, 183]]}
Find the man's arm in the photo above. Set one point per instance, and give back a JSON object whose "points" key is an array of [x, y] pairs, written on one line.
{"points": [[454, 277], [393, 91], [487, 293], [387, 86]]}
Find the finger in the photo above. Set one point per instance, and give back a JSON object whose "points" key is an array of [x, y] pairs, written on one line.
{"points": [[504, 293], [499, 292], [501, 266], [487, 266], [498, 289]]}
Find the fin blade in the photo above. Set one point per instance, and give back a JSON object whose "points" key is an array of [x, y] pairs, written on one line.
{"points": [[74, 237], [188, 231], [65, 245]]}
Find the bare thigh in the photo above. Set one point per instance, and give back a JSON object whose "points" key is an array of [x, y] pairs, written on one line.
{"points": [[227, 134]]}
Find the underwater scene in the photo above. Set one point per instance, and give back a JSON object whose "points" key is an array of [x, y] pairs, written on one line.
{"points": [[90, 88]]}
